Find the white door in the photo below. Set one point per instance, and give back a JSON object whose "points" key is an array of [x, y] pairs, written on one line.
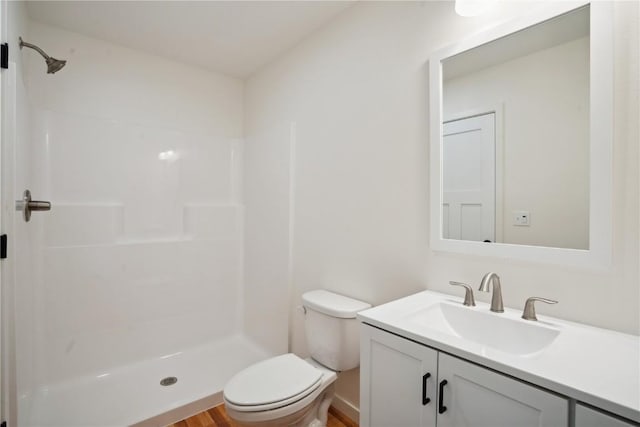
{"points": [[19, 270], [3, 396], [397, 381], [469, 179], [472, 396]]}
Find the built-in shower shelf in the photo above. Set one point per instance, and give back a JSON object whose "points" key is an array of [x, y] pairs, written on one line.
{"points": [[161, 240], [114, 224], [145, 242]]}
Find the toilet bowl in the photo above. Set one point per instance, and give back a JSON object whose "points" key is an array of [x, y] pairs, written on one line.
{"points": [[282, 391], [287, 390]]}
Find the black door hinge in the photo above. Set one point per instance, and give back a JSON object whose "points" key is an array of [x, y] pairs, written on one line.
{"points": [[4, 63], [3, 254]]}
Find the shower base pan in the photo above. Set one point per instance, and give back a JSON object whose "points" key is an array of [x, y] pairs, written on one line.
{"points": [[133, 396]]}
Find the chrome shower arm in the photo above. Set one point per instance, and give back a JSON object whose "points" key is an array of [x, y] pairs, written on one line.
{"points": [[34, 47], [53, 65]]}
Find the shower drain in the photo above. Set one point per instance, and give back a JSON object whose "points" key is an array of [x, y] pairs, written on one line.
{"points": [[168, 381]]}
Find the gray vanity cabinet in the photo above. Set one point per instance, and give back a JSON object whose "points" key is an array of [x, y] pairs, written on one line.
{"points": [[475, 396], [406, 384], [397, 381], [588, 417]]}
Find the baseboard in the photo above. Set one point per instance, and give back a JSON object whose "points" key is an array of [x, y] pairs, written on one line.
{"points": [[347, 408]]}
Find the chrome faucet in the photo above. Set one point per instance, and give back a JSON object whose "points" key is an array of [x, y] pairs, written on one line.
{"points": [[496, 297]]}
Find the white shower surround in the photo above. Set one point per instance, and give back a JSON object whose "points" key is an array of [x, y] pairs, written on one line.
{"points": [[137, 272]]}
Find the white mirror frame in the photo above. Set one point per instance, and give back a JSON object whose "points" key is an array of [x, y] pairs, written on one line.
{"points": [[601, 143]]}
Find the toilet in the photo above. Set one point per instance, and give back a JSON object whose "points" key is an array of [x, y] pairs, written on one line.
{"points": [[287, 390]]}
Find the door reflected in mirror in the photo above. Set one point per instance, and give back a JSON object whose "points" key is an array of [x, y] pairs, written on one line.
{"points": [[515, 143], [469, 179]]}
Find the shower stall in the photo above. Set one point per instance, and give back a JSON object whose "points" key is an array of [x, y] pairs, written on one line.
{"points": [[125, 304]]}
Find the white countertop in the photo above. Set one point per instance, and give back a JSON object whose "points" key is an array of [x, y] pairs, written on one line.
{"points": [[596, 366]]}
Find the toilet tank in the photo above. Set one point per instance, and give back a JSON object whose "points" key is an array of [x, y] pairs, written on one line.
{"points": [[332, 329]]}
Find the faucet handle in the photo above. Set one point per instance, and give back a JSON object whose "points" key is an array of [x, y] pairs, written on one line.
{"points": [[468, 293], [529, 312]]}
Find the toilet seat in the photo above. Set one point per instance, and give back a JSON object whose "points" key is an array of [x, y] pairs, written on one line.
{"points": [[272, 383]]}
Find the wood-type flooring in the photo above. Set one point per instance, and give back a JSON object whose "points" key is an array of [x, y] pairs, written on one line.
{"points": [[217, 417]]}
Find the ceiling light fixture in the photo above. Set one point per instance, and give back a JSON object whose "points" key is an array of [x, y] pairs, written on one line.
{"points": [[469, 8]]}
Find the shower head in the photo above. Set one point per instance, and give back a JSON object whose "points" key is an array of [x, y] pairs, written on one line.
{"points": [[53, 64]]}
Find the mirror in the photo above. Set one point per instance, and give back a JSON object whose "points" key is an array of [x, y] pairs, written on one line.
{"points": [[515, 150]]}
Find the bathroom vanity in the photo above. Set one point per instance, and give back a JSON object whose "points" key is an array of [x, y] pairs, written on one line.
{"points": [[428, 360]]}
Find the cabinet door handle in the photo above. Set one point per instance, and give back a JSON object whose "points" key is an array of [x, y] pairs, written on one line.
{"points": [[441, 407], [425, 399]]}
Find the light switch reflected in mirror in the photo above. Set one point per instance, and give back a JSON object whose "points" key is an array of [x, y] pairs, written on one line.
{"points": [[515, 141]]}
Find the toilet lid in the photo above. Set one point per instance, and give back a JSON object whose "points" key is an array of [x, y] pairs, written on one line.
{"points": [[273, 380]]}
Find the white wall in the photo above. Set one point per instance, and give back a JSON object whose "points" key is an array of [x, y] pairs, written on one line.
{"points": [[267, 258], [142, 250], [357, 93], [544, 97]]}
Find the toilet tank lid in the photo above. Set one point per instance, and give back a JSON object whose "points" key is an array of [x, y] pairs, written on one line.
{"points": [[333, 304]]}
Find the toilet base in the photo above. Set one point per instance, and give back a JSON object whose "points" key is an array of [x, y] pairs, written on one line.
{"points": [[314, 414]]}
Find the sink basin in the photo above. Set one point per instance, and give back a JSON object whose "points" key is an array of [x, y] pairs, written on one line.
{"points": [[497, 331]]}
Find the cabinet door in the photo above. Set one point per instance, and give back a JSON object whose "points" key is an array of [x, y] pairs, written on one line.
{"points": [[587, 417], [397, 381], [477, 397]]}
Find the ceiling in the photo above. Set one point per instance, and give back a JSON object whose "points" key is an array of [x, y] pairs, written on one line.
{"points": [[231, 37], [553, 32]]}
